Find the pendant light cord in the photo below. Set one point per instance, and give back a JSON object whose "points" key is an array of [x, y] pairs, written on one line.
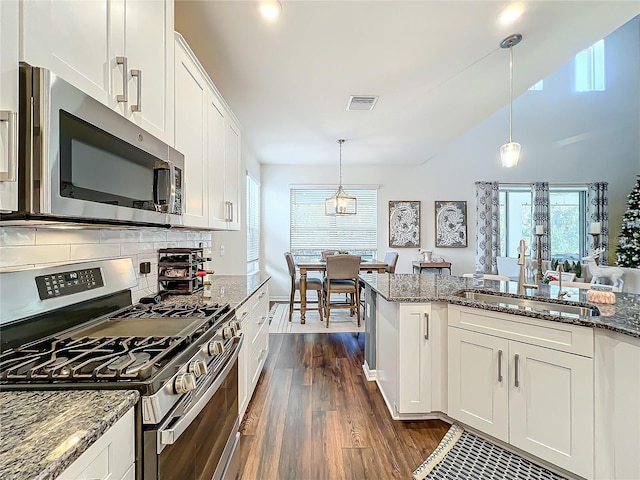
{"points": [[340, 169], [510, 90]]}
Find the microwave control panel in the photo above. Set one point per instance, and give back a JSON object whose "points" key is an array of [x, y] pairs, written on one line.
{"points": [[68, 283]]}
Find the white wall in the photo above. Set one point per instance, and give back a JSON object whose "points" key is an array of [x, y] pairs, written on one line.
{"points": [[565, 137], [24, 247]]}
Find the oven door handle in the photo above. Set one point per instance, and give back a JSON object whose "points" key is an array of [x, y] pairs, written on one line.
{"points": [[168, 436]]}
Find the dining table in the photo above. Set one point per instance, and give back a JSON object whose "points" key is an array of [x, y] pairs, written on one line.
{"points": [[320, 265]]}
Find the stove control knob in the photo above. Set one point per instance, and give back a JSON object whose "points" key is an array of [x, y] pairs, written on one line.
{"points": [[228, 332], [184, 383], [214, 348], [236, 324], [198, 368]]}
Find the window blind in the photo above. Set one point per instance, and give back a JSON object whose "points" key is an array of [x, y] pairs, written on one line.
{"points": [[253, 220], [312, 230]]}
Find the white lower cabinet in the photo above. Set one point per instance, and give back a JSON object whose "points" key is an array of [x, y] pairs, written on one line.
{"points": [[409, 358], [253, 315], [617, 405], [536, 398], [111, 457]]}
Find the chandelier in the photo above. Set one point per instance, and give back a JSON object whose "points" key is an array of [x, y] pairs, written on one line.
{"points": [[340, 203]]}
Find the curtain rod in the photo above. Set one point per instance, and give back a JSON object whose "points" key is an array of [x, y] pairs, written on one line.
{"points": [[559, 184]]}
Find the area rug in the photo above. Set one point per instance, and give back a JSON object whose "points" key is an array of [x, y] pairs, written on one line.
{"points": [[462, 455], [339, 321]]}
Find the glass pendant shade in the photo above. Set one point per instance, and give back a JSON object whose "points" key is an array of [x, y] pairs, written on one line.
{"points": [[509, 154], [340, 203]]}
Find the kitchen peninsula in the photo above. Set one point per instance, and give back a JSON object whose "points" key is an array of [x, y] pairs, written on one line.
{"points": [[563, 387]]}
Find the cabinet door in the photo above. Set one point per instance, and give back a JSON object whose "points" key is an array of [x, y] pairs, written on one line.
{"points": [[414, 350], [551, 406], [215, 152], [190, 124], [232, 175], [72, 39], [149, 52], [8, 105], [478, 381]]}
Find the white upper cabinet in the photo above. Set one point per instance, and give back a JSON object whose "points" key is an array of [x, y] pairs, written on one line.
{"points": [[8, 105], [232, 174], [120, 52], [191, 137], [209, 136]]}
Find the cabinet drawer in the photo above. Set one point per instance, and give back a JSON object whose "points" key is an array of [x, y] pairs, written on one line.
{"points": [[545, 333], [256, 360], [109, 457]]}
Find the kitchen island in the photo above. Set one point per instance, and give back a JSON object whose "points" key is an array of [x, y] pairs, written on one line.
{"points": [[559, 386]]}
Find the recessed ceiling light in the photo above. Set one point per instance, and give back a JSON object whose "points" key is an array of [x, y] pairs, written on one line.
{"points": [[510, 14], [270, 9]]}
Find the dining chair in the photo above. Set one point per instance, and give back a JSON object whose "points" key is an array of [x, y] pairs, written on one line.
{"points": [[326, 253], [312, 284], [391, 259], [488, 276], [342, 277]]}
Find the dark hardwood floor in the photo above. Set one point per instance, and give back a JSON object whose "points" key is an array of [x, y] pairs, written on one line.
{"points": [[314, 416]]}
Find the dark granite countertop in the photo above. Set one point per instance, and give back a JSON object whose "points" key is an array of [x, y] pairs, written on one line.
{"points": [[231, 289], [622, 317], [43, 432]]}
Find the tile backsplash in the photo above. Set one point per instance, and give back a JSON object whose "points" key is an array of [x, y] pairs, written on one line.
{"points": [[25, 247]]}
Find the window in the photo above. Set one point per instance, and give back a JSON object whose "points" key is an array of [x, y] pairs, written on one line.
{"points": [[312, 231], [567, 212], [253, 225], [567, 221], [516, 219], [590, 69], [537, 86]]}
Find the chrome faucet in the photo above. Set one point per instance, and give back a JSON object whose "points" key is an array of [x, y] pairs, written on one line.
{"points": [[561, 294], [522, 285]]}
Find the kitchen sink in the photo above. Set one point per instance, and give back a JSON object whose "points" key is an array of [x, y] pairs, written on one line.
{"points": [[529, 303]]}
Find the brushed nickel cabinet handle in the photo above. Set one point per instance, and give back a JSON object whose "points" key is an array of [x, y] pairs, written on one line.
{"points": [[517, 367], [231, 211], [500, 366], [125, 91], [10, 175], [426, 326], [138, 106]]}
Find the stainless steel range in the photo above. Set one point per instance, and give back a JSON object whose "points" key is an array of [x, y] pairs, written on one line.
{"points": [[73, 327]]}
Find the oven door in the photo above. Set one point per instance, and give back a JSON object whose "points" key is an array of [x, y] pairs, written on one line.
{"points": [[200, 444]]}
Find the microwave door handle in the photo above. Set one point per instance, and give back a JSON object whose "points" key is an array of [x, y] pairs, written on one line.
{"points": [[172, 193], [169, 435], [9, 175], [161, 188]]}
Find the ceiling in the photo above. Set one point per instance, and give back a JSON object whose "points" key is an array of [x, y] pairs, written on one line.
{"points": [[436, 66]]}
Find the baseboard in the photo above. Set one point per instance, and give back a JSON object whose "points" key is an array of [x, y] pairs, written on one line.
{"points": [[369, 374]]}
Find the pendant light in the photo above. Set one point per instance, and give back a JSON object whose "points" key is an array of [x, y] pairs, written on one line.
{"points": [[340, 203], [510, 152]]}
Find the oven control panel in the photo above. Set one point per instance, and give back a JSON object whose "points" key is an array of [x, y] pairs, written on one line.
{"points": [[67, 283]]}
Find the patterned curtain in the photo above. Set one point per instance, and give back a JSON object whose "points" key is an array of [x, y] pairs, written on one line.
{"points": [[487, 226], [599, 212], [541, 217]]}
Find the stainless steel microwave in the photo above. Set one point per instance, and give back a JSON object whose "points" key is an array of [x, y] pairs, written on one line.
{"points": [[80, 161]]}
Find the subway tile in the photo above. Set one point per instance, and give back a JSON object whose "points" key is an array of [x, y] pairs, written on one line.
{"points": [[135, 248], [179, 235], [119, 236], [33, 254], [153, 235], [14, 236], [94, 251], [51, 236]]}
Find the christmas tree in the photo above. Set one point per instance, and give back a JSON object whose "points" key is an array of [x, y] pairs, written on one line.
{"points": [[628, 250]]}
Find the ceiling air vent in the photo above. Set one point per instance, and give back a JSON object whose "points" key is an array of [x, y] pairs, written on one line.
{"points": [[361, 102]]}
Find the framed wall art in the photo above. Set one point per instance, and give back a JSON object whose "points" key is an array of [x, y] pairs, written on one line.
{"points": [[451, 224], [404, 224]]}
